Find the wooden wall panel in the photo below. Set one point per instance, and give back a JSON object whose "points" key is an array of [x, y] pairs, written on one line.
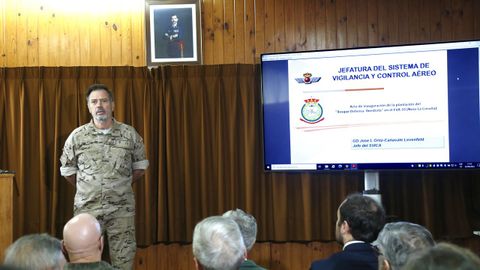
{"points": [[372, 7], [249, 31], [43, 33], [331, 25], [55, 33], [476, 8], [2, 32], [208, 35], [413, 7], [435, 17], [403, 21], [95, 38], [51, 41], [31, 15], [229, 32], [320, 24], [279, 30], [308, 40], [352, 34], [239, 34], [382, 23], [138, 40], [218, 22], [259, 28], [341, 15], [125, 31], [423, 24], [21, 34], [269, 43], [289, 25], [362, 23], [261, 254], [299, 10], [463, 20], [446, 22], [72, 38], [393, 21], [105, 22]]}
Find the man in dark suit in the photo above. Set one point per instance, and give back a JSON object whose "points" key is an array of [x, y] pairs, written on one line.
{"points": [[359, 220]]}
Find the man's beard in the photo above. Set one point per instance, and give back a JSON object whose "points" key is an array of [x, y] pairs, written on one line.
{"points": [[101, 118]]}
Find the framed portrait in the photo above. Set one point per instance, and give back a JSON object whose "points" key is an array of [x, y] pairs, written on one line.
{"points": [[173, 32]]}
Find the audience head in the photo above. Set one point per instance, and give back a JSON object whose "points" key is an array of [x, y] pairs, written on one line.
{"points": [[247, 225], [35, 251], [444, 256], [82, 239], [218, 244], [397, 241], [359, 218]]}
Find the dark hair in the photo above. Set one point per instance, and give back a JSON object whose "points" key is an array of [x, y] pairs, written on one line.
{"points": [[99, 86], [364, 216]]}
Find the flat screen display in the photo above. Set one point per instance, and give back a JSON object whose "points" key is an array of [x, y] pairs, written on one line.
{"points": [[379, 108]]}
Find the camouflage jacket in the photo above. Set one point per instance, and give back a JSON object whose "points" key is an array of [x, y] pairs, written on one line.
{"points": [[92, 266], [103, 163]]}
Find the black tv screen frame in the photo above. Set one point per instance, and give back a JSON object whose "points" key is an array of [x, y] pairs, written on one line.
{"points": [[401, 107]]}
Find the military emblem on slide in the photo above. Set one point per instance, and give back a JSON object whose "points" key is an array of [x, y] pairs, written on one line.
{"points": [[307, 78], [312, 111]]}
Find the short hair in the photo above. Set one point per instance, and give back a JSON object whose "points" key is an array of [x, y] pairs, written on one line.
{"points": [[247, 225], [364, 216], [218, 243], [98, 86], [444, 256], [35, 251], [397, 241]]}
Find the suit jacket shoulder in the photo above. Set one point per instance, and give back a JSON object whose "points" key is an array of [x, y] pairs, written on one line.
{"points": [[360, 256]]}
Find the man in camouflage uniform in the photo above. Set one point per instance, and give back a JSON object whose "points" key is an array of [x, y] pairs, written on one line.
{"points": [[102, 159]]}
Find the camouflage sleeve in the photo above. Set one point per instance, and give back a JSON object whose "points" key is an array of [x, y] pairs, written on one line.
{"points": [[68, 159], [140, 161]]}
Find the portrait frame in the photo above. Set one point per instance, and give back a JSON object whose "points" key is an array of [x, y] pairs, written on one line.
{"points": [[173, 32]]}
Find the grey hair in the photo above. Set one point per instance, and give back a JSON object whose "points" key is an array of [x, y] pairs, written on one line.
{"points": [[35, 251], [399, 240], [247, 225], [218, 243], [444, 256]]}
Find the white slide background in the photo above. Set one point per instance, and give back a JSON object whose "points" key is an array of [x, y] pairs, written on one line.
{"points": [[402, 119]]}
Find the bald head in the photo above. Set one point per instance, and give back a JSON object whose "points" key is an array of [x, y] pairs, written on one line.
{"points": [[82, 236]]}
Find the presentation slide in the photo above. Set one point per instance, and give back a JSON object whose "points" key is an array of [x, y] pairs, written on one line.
{"points": [[369, 108]]}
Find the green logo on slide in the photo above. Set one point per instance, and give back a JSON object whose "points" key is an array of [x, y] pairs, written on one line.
{"points": [[312, 111]]}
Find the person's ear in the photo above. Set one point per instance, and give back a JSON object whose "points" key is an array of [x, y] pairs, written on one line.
{"points": [[385, 265], [113, 106], [65, 252], [88, 107], [101, 243], [63, 247], [197, 265], [344, 227]]}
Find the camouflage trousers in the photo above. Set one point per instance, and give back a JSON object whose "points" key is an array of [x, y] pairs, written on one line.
{"points": [[120, 233]]}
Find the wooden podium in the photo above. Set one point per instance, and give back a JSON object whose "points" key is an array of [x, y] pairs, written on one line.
{"points": [[7, 186]]}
